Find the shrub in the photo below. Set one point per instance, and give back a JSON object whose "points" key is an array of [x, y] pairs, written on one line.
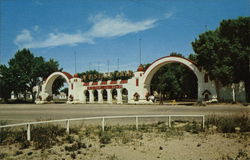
{"points": [[69, 139], [18, 153], [173, 132], [29, 153], [144, 128], [4, 133], [43, 141], [212, 120], [8, 136], [3, 155], [75, 130], [75, 146], [24, 144], [228, 124], [242, 154], [243, 122], [73, 156], [193, 127], [45, 137], [105, 137], [20, 137], [162, 127]]}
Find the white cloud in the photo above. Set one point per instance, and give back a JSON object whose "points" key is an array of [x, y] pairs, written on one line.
{"points": [[54, 39], [103, 27], [23, 37], [118, 26]]}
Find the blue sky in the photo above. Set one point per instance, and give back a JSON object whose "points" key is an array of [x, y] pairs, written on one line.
{"points": [[105, 30]]}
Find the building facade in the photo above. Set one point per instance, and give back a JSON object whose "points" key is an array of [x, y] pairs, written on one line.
{"points": [[133, 90]]}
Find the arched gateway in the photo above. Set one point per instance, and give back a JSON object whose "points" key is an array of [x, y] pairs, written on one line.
{"points": [[157, 64], [137, 87], [47, 85]]}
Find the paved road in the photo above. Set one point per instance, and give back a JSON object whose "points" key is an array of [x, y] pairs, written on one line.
{"points": [[16, 113]]}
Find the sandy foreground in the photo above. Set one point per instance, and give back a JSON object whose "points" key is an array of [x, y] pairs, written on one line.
{"points": [[149, 146], [128, 144]]}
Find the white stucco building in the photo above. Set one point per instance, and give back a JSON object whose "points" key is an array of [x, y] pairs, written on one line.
{"points": [[134, 90]]}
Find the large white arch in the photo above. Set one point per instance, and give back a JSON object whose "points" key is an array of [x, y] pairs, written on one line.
{"points": [[50, 80], [139, 84], [157, 64]]}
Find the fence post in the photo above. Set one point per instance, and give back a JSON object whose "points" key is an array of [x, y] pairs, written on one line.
{"points": [[28, 132], [136, 122], [169, 121], [67, 126], [203, 121], [103, 124]]}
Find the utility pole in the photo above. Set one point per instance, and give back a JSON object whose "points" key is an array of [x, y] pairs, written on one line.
{"points": [[75, 61], [108, 66], [118, 64], [89, 66], [205, 27], [98, 69], [140, 49]]}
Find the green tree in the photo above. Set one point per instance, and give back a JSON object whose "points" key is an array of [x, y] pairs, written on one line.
{"points": [[225, 52], [5, 84], [175, 81], [24, 72], [20, 68], [65, 90]]}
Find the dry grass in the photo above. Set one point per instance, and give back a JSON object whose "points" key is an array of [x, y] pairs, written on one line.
{"points": [[90, 142]]}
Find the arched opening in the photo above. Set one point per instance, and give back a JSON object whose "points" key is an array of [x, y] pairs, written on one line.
{"points": [[114, 95], [206, 95], [172, 78], [174, 82], [60, 90], [86, 94], [57, 87], [105, 95], [136, 96], [95, 92], [124, 95]]}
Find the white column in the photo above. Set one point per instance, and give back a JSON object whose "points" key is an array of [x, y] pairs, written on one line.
{"points": [[82, 97], [100, 96], [109, 94], [119, 96], [130, 96], [91, 96], [233, 92], [199, 94]]}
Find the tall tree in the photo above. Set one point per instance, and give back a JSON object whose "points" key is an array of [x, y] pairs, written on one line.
{"points": [[5, 83], [20, 68], [25, 71], [225, 52], [175, 81]]}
